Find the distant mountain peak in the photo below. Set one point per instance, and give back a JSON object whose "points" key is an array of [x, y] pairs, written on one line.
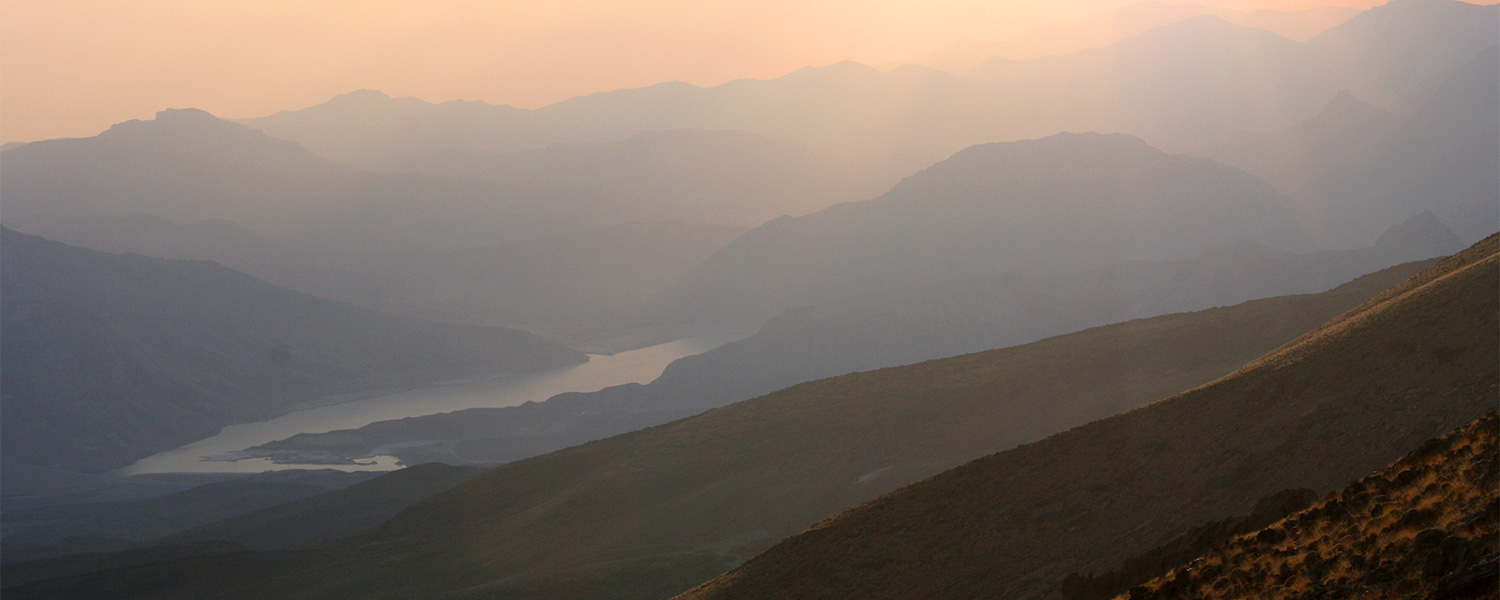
{"points": [[178, 123], [185, 115], [1423, 232], [363, 94], [1346, 106]]}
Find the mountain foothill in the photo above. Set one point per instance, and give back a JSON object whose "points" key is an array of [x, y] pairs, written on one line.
{"points": [[1207, 309]]}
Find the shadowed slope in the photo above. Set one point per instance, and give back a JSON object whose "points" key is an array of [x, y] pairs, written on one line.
{"points": [[1340, 402], [110, 357], [651, 513]]}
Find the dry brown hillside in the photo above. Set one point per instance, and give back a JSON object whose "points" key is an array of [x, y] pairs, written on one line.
{"points": [[1337, 404], [1426, 527]]}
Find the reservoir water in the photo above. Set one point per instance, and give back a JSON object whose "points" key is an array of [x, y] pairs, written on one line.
{"points": [[635, 366]]}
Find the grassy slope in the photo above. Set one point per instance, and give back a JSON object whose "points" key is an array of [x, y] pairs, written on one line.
{"points": [[1340, 402], [654, 512], [1423, 527]]}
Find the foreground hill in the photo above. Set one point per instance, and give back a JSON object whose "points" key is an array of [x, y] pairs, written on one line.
{"points": [[194, 522], [109, 358], [1425, 527], [1061, 204], [651, 513], [1338, 403]]}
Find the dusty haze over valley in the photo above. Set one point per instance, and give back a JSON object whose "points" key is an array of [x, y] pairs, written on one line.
{"points": [[1086, 299]]}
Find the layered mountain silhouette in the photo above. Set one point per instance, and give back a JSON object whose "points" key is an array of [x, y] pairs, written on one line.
{"points": [[1061, 204], [1123, 23], [109, 358], [1338, 403], [1182, 86], [1355, 158], [1441, 158], [573, 286], [694, 176], [187, 166], [1345, 136], [870, 332], [653, 512]]}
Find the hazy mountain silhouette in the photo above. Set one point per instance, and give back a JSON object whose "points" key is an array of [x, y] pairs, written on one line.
{"points": [[1181, 86], [1356, 159], [1345, 136], [653, 512], [1203, 78], [576, 287], [109, 358], [1340, 402], [1396, 54], [869, 332], [1442, 158], [187, 166], [1065, 203], [1122, 23], [694, 176]]}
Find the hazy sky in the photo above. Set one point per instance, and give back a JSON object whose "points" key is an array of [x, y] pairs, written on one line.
{"points": [[73, 67]]}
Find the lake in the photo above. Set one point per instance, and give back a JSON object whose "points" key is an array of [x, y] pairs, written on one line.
{"points": [[635, 366]]}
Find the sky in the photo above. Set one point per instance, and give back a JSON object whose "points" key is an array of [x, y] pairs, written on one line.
{"points": [[71, 68]]}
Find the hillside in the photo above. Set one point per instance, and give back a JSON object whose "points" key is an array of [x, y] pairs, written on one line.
{"points": [[109, 358], [654, 512], [1425, 527], [1338, 403], [875, 331], [330, 515], [1062, 204]]}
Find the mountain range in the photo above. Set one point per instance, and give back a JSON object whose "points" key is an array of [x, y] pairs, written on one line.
{"points": [[110, 358], [1181, 86], [879, 330], [662, 508], [1353, 157], [1062, 204], [1123, 23]]}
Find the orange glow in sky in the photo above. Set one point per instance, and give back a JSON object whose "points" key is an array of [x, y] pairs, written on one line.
{"points": [[73, 67]]}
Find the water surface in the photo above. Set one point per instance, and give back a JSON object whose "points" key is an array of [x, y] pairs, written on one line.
{"points": [[635, 366]]}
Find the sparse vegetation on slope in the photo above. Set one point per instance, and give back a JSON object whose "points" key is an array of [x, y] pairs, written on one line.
{"points": [[1425, 527]]}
